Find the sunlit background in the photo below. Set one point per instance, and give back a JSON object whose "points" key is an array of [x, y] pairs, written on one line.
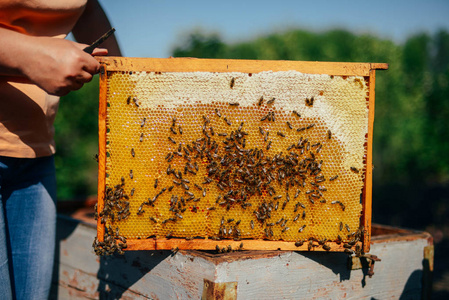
{"points": [[411, 136]]}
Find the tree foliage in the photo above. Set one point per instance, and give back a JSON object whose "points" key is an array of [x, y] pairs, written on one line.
{"points": [[410, 132], [412, 109], [76, 138]]}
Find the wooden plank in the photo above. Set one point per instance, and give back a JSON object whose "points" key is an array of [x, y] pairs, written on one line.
{"points": [[102, 114], [379, 66], [368, 188], [207, 244], [236, 65]]}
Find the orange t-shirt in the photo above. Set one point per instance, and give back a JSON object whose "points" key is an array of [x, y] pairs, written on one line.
{"points": [[26, 111]]}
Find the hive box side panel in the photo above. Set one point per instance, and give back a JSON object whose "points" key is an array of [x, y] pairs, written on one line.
{"points": [[319, 276], [259, 274]]}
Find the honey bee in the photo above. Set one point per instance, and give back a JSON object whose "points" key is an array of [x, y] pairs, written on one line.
{"points": [[310, 126], [296, 113], [289, 125], [140, 210], [234, 104], [143, 122], [341, 226], [218, 112], [136, 101], [329, 134], [172, 129], [227, 121], [349, 251], [355, 170], [180, 129], [141, 137], [171, 140], [169, 235], [326, 247], [131, 174], [311, 200], [260, 101], [232, 82], [347, 246], [271, 101], [252, 224], [265, 117], [168, 155], [297, 193], [269, 145], [333, 178], [347, 227], [284, 222], [309, 102], [128, 101], [301, 228], [155, 183], [310, 245], [299, 243], [280, 134]]}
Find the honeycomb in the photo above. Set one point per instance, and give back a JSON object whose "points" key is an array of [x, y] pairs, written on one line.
{"points": [[269, 155]]}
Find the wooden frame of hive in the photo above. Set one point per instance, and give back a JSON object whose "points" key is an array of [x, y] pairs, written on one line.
{"points": [[116, 64]]}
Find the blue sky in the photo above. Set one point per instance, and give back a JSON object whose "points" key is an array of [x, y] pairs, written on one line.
{"points": [[151, 28]]}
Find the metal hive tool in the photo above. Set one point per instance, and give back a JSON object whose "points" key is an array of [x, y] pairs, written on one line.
{"points": [[205, 154]]}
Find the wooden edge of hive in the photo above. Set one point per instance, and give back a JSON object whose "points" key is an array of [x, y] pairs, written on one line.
{"points": [[207, 244], [188, 64], [101, 149]]}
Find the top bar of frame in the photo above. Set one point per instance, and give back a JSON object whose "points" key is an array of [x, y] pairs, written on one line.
{"points": [[236, 65]]}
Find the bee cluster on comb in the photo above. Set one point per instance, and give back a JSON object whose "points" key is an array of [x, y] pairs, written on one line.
{"points": [[276, 156]]}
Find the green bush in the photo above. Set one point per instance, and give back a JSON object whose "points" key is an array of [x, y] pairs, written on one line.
{"points": [[410, 133]]}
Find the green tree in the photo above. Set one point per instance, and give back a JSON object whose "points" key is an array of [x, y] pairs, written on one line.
{"points": [[412, 111], [76, 138]]}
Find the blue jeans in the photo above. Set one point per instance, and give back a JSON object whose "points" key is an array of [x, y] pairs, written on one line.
{"points": [[27, 227]]}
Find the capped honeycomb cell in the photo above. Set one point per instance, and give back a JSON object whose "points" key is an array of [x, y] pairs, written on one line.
{"points": [[275, 156]]}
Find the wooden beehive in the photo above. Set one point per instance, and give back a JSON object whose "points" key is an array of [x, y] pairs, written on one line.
{"points": [[235, 154]]}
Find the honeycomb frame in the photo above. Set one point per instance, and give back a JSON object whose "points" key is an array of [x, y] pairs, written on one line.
{"points": [[133, 66]]}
